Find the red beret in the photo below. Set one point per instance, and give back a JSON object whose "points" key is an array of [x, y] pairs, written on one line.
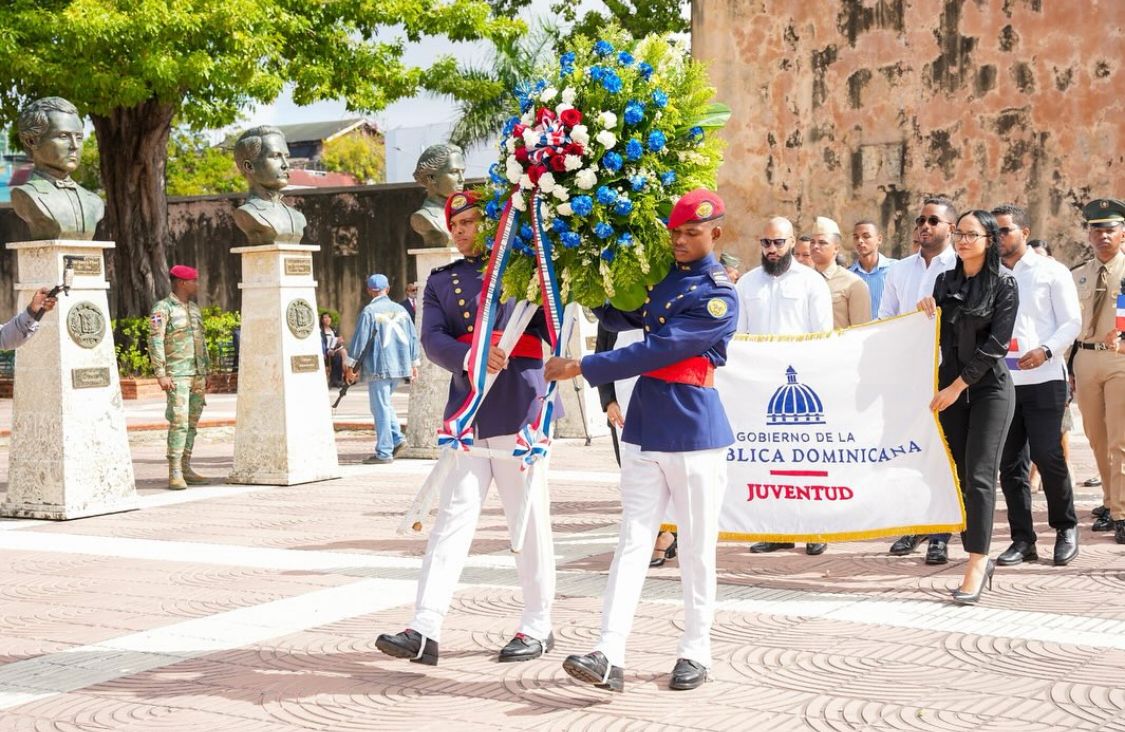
{"points": [[184, 272], [696, 206], [457, 203]]}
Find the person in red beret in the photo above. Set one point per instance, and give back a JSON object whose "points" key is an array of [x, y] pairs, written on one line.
{"points": [[178, 352], [674, 440]]}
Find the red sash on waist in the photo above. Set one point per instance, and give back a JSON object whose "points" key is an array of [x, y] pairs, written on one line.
{"points": [[528, 346], [696, 371]]}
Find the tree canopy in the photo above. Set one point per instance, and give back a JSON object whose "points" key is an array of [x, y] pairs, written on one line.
{"points": [[361, 156]]}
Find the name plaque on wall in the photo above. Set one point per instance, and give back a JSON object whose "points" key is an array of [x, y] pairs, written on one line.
{"points": [[89, 378], [303, 364], [298, 265], [87, 266]]}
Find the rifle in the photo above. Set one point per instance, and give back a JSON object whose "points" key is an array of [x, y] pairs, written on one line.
{"points": [[359, 368], [68, 281]]}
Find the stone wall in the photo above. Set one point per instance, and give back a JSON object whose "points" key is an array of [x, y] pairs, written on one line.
{"points": [[360, 230], [859, 108]]}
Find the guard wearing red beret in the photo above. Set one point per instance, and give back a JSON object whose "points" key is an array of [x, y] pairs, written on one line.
{"points": [[178, 352], [674, 441]]}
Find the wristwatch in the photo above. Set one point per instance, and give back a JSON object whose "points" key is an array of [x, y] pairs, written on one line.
{"points": [[1047, 351]]}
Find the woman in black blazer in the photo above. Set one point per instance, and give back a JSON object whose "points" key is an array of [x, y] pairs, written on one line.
{"points": [[976, 398]]}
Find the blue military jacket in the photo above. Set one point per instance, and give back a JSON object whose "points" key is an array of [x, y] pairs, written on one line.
{"points": [[449, 310], [691, 312]]}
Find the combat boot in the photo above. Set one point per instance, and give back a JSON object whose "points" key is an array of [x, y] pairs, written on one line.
{"points": [[190, 476], [175, 476]]}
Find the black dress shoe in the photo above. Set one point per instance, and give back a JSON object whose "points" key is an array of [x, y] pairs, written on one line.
{"points": [[971, 598], [1017, 553], [815, 549], [660, 557], [687, 675], [1100, 511], [765, 547], [409, 644], [906, 545], [938, 553], [593, 668], [1066, 546], [1119, 532], [525, 648], [1102, 523]]}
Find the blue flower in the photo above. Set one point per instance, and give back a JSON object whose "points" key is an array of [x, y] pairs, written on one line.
{"points": [[495, 175], [612, 82], [638, 182], [525, 232], [612, 161], [492, 210], [518, 244], [633, 150], [582, 205], [656, 140], [606, 196], [559, 225], [660, 99], [607, 254], [523, 92], [668, 177], [646, 70], [696, 134], [603, 48], [625, 58], [566, 62], [570, 240], [634, 114], [603, 230], [623, 207], [625, 240], [596, 73]]}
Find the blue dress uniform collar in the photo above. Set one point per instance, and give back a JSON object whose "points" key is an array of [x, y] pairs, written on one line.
{"points": [[703, 264]]}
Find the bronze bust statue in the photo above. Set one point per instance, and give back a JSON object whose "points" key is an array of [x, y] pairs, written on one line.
{"points": [[441, 169], [52, 204], [263, 158]]}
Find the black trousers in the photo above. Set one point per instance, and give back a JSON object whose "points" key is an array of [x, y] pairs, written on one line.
{"points": [[1036, 435], [976, 426]]}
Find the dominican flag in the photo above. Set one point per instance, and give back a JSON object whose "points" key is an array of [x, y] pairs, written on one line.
{"points": [[1120, 322], [1013, 357]]}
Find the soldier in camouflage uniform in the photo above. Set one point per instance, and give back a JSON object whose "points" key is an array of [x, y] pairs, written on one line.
{"points": [[179, 358]]}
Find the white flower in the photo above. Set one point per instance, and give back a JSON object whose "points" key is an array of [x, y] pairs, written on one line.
{"points": [[561, 193], [586, 179], [510, 144], [572, 162], [569, 95], [606, 139], [546, 182], [564, 209], [580, 134], [525, 182], [518, 202], [608, 120], [547, 212], [528, 118], [513, 170], [562, 108], [530, 137], [548, 94]]}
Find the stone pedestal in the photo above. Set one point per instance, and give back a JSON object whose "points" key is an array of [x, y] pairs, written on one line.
{"points": [[582, 409], [69, 455], [283, 433], [430, 390]]}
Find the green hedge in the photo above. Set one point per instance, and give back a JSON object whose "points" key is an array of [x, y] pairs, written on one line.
{"points": [[130, 335]]}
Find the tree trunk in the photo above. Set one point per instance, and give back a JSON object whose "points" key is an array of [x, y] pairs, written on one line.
{"points": [[133, 147]]}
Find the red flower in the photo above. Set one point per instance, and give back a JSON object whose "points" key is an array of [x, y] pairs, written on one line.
{"points": [[535, 172], [571, 117], [558, 163], [544, 113], [517, 131], [521, 154], [574, 149]]}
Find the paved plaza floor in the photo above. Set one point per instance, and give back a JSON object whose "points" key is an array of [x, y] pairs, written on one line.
{"points": [[256, 608]]}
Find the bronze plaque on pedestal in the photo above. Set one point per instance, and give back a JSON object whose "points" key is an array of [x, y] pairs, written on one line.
{"points": [[301, 318], [298, 265], [89, 378], [86, 324], [303, 364], [87, 266]]}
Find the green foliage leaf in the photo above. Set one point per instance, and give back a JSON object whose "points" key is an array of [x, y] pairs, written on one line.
{"points": [[361, 156]]}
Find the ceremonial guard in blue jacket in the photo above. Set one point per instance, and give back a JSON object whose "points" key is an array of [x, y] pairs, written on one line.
{"points": [[674, 442], [449, 310]]}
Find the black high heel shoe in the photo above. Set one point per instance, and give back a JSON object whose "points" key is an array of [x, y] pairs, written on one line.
{"points": [[967, 598], [669, 553]]}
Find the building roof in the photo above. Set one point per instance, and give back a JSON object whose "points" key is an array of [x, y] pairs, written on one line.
{"points": [[317, 131], [300, 178]]}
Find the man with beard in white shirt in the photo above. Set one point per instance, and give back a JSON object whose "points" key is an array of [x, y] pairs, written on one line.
{"points": [[908, 281], [783, 297]]}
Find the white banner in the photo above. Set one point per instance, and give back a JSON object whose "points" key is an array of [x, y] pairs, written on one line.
{"points": [[834, 438]]}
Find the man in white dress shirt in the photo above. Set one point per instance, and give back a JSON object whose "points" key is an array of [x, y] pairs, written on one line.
{"points": [[783, 297], [908, 281], [1047, 322]]}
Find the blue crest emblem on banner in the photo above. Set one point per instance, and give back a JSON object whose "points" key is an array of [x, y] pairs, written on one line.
{"points": [[794, 404]]}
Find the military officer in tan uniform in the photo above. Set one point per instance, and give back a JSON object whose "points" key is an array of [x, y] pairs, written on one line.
{"points": [[1099, 367]]}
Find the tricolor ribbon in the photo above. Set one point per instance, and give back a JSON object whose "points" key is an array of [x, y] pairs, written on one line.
{"points": [[1119, 320], [1013, 357]]}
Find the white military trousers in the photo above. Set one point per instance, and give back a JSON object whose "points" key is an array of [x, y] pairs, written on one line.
{"points": [[694, 482], [458, 511]]}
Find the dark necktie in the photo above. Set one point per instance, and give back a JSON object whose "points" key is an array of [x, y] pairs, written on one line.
{"points": [[1100, 291]]}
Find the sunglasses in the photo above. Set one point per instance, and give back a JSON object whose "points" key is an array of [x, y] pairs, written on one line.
{"points": [[932, 221], [1005, 230], [772, 243]]}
